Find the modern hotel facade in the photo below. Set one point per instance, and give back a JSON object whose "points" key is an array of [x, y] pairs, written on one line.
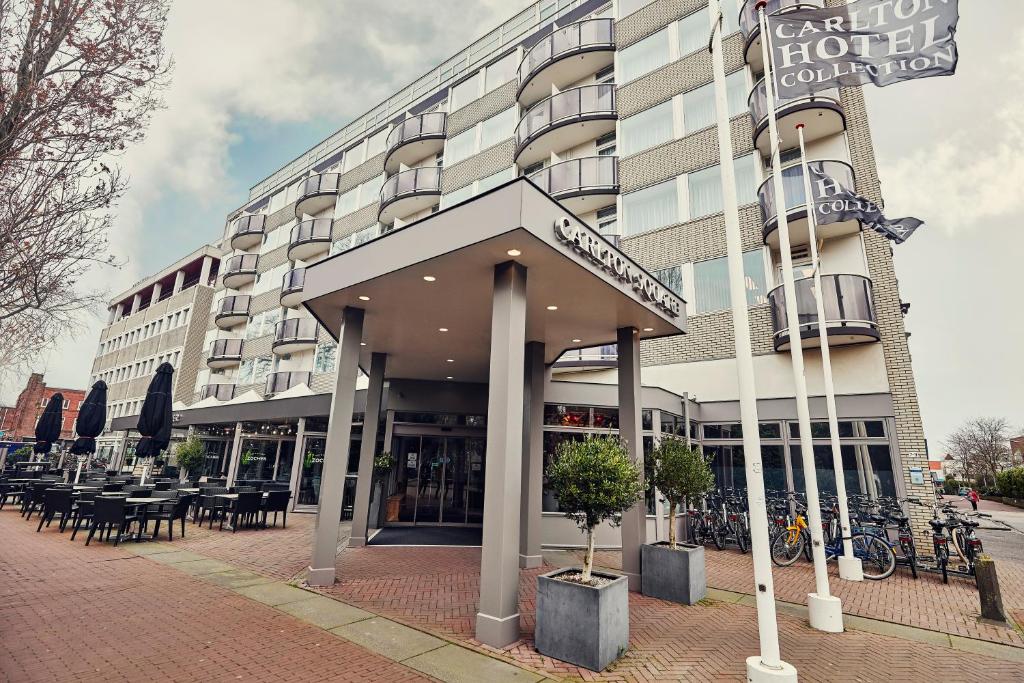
{"points": [[608, 108]]}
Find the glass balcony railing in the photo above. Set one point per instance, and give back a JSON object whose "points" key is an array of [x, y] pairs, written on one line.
{"points": [[221, 392], [587, 175], [415, 181], [849, 309], [240, 269], [317, 193], [248, 231], [307, 235], [233, 307], [294, 330], [758, 102], [575, 104], [583, 36], [748, 13], [282, 381], [430, 125], [292, 283], [225, 351], [793, 186]]}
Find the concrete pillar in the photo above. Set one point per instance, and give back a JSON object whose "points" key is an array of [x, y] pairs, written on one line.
{"points": [[634, 520], [136, 302], [296, 476], [204, 273], [179, 280], [157, 290], [533, 462], [236, 448], [118, 312], [339, 432], [367, 449], [497, 622]]}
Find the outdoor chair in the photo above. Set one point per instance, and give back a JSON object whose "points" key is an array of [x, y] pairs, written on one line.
{"points": [[138, 492], [10, 492], [163, 494], [277, 501], [275, 486], [56, 502], [170, 513], [242, 489], [34, 498], [162, 486], [244, 510], [113, 486], [83, 510], [111, 513], [209, 502]]}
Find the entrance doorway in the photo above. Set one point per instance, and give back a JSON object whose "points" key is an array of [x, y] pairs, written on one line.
{"points": [[439, 481]]}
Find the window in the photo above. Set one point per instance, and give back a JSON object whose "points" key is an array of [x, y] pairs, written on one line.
{"points": [[465, 92], [324, 359], [671, 277], [640, 58], [694, 32], [353, 157], [494, 180], [497, 128], [369, 192], [254, 370], [270, 279], [43, 402], [347, 203], [456, 196], [647, 129], [605, 75], [650, 208], [627, 7], [606, 145], [375, 144], [533, 168], [730, 16], [711, 282], [699, 104], [461, 146], [501, 72], [608, 220], [705, 187]]}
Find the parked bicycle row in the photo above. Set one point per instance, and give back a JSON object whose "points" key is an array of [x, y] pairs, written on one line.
{"points": [[881, 535]]}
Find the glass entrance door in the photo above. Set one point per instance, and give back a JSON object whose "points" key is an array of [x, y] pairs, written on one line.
{"points": [[440, 480]]}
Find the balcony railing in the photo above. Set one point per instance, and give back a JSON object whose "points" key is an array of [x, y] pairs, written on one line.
{"points": [[758, 102], [221, 392], [748, 13], [793, 187], [429, 126], [282, 381], [291, 286], [314, 189], [587, 175], [248, 231], [233, 309], [240, 269], [414, 182], [225, 352], [849, 310], [571, 106], [295, 330], [310, 237], [584, 36]]}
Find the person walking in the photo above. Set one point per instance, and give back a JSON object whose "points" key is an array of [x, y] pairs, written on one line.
{"points": [[973, 496]]}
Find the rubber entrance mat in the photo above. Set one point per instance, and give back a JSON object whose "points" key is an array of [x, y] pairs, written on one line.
{"points": [[428, 535]]}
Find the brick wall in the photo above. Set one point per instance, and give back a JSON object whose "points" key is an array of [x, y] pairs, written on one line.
{"points": [[21, 418]]}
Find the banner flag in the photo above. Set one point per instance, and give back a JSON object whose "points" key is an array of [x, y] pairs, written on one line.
{"points": [[834, 203], [867, 41]]}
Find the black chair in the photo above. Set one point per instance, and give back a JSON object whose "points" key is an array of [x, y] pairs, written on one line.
{"points": [[277, 501], [10, 492], [111, 512], [34, 498], [171, 512], [245, 509], [138, 492], [209, 502], [242, 489], [83, 510], [56, 502], [162, 486], [113, 486], [275, 486], [163, 494]]}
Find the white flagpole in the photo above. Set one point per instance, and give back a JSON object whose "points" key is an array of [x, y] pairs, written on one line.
{"points": [[78, 472], [768, 666], [850, 567], [825, 611]]}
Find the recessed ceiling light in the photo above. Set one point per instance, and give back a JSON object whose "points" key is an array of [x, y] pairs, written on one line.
{"points": [[364, 298], [648, 329], [552, 308], [362, 343], [451, 360], [429, 278], [442, 329], [514, 252], [449, 377], [576, 341]]}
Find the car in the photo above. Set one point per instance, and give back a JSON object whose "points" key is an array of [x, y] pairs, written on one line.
{"points": [[964, 490]]}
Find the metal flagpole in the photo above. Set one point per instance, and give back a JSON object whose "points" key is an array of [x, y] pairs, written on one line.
{"points": [[768, 666], [824, 610], [850, 567]]}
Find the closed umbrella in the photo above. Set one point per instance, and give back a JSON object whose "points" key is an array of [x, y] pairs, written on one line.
{"points": [[155, 418], [49, 425], [92, 415]]}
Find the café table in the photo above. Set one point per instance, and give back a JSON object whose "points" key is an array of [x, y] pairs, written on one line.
{"points": [[233, 497]]}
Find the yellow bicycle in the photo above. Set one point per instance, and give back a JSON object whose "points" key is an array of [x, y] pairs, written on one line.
{"points": [[791, 541]]}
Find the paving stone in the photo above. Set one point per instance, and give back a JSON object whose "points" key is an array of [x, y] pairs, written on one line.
{"points": [[236, 578], [175, 557], [454, 664], [983, 647], [325, 612], [388, 638], [275, 594], [204, 566], [150, 548]]}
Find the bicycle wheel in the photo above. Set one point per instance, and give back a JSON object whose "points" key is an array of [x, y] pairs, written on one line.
{"points": [[942, 559], [742, 540], [785, 553], [719, 535], [808, 549], [911, 554], [693, 532], [877, 557]]}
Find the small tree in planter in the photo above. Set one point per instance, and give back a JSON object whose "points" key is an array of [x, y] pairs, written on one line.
{"points": [[672, 571], [583, 616], [191, 455]]}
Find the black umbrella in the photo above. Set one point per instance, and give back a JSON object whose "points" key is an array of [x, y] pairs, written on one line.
{"points": [[92, 415], [155, 417], [50, 422]]}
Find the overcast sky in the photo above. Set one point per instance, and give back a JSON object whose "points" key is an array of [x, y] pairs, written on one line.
{"points": [[259, 81]]}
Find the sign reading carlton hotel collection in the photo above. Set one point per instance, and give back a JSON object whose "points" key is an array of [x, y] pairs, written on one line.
{"points": [[609, 259]]}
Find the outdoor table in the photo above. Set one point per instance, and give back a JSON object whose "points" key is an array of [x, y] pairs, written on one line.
{"points": [[233, 497], [145, 504], [190, 490], [82, 487]]}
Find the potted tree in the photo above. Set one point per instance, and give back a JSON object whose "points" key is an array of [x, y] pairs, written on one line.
{"points": [[583, 615], [190, 455], [670, 570]]}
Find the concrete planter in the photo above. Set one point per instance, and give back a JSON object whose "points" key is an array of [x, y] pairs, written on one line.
{"points": [[582, 625], [677, 575]]}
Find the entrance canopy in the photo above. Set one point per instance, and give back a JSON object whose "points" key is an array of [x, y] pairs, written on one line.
{"points": [[427, 290]]}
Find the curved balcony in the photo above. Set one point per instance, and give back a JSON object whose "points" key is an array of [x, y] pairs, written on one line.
{"points": [[409, 192], [582, 185], [291, 287], [310, 238], [240, 270], [233, 310], [849, 312], [566, 56], [318, 192], [248, 231], [821, 114], [415, 139], [751, 29], [294, 335], [592, 358], [221, 392], [796, 203], [225, 353], [282, 381], [564, 121]]}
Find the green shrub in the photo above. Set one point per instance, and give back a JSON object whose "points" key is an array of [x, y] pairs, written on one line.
{"points": [[1010, 482], [951, 486], [190, 455], [679, 472], [594, 481]]}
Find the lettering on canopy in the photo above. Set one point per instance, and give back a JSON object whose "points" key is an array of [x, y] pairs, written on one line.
{"points": [[587, 244]]}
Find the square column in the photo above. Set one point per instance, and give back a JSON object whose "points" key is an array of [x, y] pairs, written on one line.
{"points": [[634, 520], [367, 448], [136, 302], [204, 272], [236, 447], [339, 431], [179, 280], [497, 622], [533, 460], [295, 480], [157, 291]]}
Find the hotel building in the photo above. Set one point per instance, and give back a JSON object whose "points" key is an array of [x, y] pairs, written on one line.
{"points": [[608, 108]]}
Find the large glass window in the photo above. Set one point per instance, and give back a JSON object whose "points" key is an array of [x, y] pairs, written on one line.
{"points": [[627, 7], [369, 192], [456, 196], [711, 282], [375, 144], [501, 72], [465, 92], [324, 359], [693, 32], [461, 146], [646, 129], [497, 128], [671, 277], [645, 56], [495, 179], [705, 187], [650, 208], [347, 202], [699, 103]]}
